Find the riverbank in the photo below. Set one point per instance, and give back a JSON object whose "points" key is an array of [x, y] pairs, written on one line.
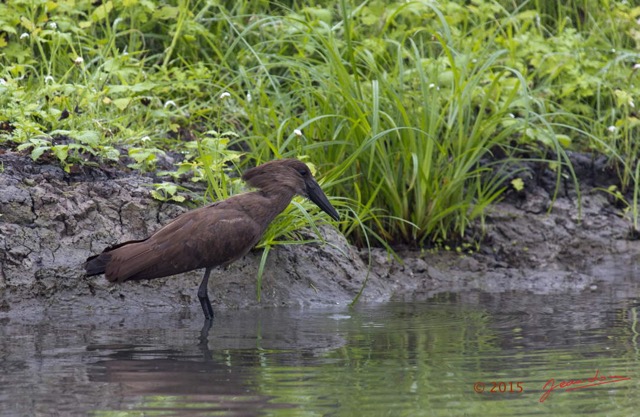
{"points": [[51, 221]]}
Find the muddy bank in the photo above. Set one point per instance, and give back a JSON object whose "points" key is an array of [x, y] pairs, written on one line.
{"points": [[51, 221]]}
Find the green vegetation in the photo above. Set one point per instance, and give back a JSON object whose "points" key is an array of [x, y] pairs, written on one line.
{"points": [[412, 112]]}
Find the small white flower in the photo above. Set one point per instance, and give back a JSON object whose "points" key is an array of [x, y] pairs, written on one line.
{"points": [[24, 35], [79, 60], [225, 95], [248, 97], [474, 60], [145, 139], [3, 81], [48, 79], [512, 115], [632, 104], [636, 67], [432, 85], [53, 25], [298, 132], [613, 50], [170, 103], [612, 129]]}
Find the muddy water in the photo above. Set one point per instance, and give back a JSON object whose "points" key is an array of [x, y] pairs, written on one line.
{"points": [[426, 358]]}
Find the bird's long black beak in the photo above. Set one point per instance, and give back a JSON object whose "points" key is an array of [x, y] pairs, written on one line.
{"points": [[315, 194]]}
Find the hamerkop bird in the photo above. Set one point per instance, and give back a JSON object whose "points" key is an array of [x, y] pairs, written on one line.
{"points": [[215, 235]]}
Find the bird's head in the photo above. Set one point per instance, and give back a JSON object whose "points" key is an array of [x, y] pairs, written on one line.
{"points": [[292, 174]]}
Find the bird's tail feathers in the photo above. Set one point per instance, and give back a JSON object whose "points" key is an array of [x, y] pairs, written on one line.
{"points": [[96, 265], [99, 264]]}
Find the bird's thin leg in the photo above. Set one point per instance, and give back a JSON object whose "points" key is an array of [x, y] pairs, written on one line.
{"points": [[203, 296], [204, 339]]}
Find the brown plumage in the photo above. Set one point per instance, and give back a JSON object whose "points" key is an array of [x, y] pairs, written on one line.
{"points": [[215, 235]]}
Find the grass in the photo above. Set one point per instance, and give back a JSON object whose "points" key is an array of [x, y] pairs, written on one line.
{"points": [[414, 114]]}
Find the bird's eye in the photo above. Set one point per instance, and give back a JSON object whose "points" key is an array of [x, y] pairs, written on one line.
{"points": [[303, 171]]}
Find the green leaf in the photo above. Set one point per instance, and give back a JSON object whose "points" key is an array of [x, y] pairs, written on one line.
{"points": [[8, 28], [166, 191], [122, 103], [61, 151], [111, 153], [28, 24], [564, 140], [88, 137], [38, 151], [101, 12], [24, 146], [141, 155], [166, 13], [169, 187], [158, 196], [623, 98], [517, 184]]}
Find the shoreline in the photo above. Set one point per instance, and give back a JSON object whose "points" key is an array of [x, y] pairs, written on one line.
{"points": [[49, 224]]}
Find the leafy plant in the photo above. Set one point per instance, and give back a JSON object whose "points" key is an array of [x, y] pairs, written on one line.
{"points": [[167, 191]]}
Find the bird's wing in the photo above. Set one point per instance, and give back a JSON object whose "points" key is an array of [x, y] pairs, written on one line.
{"points": [[205, 237]]}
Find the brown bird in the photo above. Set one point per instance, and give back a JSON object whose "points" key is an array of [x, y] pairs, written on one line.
{"points": [[215, 235]]}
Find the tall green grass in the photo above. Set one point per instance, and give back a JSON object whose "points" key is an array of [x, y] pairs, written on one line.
{"points": [[409, 130]]}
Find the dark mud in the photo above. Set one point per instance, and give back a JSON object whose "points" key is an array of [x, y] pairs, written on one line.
{"points": [[51, 221]]}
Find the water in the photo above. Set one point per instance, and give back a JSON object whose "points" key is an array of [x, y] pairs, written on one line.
{"points": [[399, 359]]}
